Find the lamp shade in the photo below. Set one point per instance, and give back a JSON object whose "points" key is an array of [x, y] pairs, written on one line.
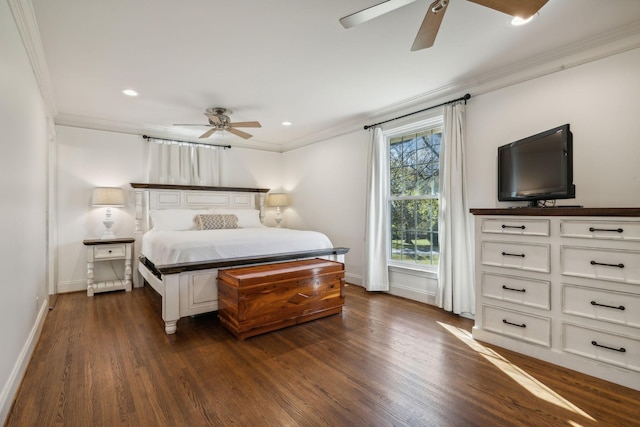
{"points": [[107, 196], [278, 199]]}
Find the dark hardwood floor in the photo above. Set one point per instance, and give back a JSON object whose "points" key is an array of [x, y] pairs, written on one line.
{"points": [[386, 361]]}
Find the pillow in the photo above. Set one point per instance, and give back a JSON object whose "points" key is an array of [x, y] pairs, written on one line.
{"points": [[175, 219], [247, 218], [216, 222]]}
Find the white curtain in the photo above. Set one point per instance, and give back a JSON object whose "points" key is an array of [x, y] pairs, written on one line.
{"points": [[172, 162], [376, 274], [455, 274]]}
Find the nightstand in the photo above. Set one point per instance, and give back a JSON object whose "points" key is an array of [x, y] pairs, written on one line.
{"points": [[100, 250]]}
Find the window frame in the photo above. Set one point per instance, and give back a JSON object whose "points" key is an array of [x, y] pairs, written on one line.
{"points": [[415, 127]]}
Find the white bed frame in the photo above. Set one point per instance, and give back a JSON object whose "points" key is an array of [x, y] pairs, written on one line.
{"points": [[189, 289]]}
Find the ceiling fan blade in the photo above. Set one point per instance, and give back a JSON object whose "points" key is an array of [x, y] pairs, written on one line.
{"points": [[239, 133], [430, 25], [522, 8], [372, 12], [189, 124], [245, 125], [208, 133]]}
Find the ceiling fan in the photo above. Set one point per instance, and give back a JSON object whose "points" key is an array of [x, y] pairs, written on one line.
{"points": [[219, 120], [431, 23]]}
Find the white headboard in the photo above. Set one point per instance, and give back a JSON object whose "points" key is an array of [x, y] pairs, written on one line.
{"points": [[163, 196]]}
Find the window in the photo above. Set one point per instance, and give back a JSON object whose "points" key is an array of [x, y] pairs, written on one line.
{"points": [[414, 178]]}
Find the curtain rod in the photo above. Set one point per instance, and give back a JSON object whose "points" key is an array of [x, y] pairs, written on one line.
{"points": [[197, 144], [464, 98]]}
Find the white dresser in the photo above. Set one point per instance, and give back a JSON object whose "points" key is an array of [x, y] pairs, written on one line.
{"points": [[562, 285]]}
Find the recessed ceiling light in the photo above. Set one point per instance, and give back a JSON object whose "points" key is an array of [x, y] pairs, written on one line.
{"points": [[286, 123], [517, 21], [130, 92]]}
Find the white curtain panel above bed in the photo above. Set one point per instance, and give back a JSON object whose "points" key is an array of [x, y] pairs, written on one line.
{"points": [[170, 162]]}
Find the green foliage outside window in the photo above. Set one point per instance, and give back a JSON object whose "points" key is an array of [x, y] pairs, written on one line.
{"points": [[414, 163]]}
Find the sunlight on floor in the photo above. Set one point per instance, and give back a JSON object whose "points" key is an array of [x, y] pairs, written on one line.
{"points": [[534, 386]]}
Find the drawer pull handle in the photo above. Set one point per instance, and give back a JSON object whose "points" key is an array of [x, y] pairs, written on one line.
{"points": [[607, 265], [519, 325], [518, 255], [620, 307], [521, 227], [621, 349], [615, 230], [506, 288], [110, 250]]}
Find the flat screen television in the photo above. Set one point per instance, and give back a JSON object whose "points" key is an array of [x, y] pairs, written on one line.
{"points": [[537, 168]]}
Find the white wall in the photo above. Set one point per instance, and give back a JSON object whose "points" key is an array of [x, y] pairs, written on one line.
{"points": [[327, 186], [23, 217], [252, 168], [600, 102], [89, 158]]}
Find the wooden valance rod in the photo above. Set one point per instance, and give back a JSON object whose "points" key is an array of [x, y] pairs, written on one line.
{"points": [[464, 98], [197, 144]]}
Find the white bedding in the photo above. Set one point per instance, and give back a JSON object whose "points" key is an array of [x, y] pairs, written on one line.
{"points": [[172, 247]]}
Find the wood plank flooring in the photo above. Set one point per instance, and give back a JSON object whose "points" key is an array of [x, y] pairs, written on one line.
{"points": [[386, 361]]}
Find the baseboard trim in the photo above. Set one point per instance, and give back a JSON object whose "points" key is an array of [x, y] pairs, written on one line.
{"points": [[71, 286], [10, 389], [354, 279], [412, 294]]}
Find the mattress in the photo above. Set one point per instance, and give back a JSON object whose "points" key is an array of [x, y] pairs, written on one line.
{"points": [[173, 247]]}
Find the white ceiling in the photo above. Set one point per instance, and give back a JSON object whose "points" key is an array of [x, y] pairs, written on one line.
{"points": [[291, 60]]}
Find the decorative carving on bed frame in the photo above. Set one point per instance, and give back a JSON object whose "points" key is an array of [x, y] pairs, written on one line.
{"points": [[191, 288]]}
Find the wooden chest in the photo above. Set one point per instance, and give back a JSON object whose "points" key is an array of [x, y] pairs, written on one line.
{"points": [[257, 299]]}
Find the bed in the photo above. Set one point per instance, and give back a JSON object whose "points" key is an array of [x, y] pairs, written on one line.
{"points": [[182, 263]]}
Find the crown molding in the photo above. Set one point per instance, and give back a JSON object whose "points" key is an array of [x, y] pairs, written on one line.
{"points": [[25, 19], [72, 120], [591, 49]]}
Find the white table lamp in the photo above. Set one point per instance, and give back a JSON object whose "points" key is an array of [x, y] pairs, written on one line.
{"points": [[278, 200], [108, 197]]}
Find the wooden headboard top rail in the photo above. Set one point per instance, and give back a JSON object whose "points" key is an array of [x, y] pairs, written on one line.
{"points": [[172, 196], [198, 188]]}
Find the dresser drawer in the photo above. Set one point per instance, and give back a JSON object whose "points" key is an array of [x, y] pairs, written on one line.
{"points": [[523, 256], [603, 264], [532, 293], [527, 327], [525, 227], [109, 251], [607, 230], [602, 346], [609, 306]]}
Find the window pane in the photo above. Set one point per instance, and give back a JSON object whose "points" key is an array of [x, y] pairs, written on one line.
{"points": [[413, 205]]}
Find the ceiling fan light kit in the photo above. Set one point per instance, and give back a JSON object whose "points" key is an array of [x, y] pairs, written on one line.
{"points": [[523, 9], [219, 121], [518, 21]]}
